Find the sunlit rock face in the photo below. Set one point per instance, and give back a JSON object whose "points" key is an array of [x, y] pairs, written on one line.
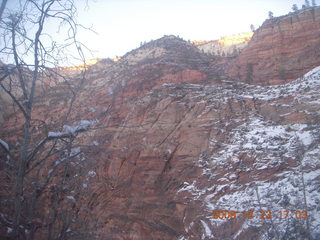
{"points": [[235, 39], [226, 46], [280, 50], [174, 138]]}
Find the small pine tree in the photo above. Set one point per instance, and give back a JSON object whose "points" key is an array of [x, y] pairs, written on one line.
{"points": [[314, 3], [252, 28], [295, 8], [270, 14], [307, 3]]}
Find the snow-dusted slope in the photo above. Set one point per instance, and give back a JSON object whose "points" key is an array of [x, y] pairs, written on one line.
{"points": [[268, 163]]}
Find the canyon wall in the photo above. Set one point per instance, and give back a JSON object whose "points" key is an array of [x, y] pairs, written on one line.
{"points": [[169, 138]]}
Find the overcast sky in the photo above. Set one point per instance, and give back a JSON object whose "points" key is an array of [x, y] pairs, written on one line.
{"points": [[122, 24]]}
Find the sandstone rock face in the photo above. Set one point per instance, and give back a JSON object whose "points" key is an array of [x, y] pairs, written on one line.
{"points": [[280, 50], [229, 45], [172, 139]]}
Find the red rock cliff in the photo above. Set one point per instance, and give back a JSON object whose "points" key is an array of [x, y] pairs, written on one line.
{"points": [[280, 50]]}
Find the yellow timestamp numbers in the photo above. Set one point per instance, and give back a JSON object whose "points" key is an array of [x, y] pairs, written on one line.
{"points": [[262, 214]]}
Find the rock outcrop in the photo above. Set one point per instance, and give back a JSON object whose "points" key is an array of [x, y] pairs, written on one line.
{"points": [[225, 46], [280, 50]]}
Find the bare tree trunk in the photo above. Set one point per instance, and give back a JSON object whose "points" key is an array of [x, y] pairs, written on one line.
{"points": [[20, 178]]}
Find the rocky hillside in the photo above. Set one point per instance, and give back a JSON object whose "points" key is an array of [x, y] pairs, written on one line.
{"points": [[165, 142]]}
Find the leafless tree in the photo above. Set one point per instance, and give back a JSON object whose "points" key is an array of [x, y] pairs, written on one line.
{"points": [[35, 55]]}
